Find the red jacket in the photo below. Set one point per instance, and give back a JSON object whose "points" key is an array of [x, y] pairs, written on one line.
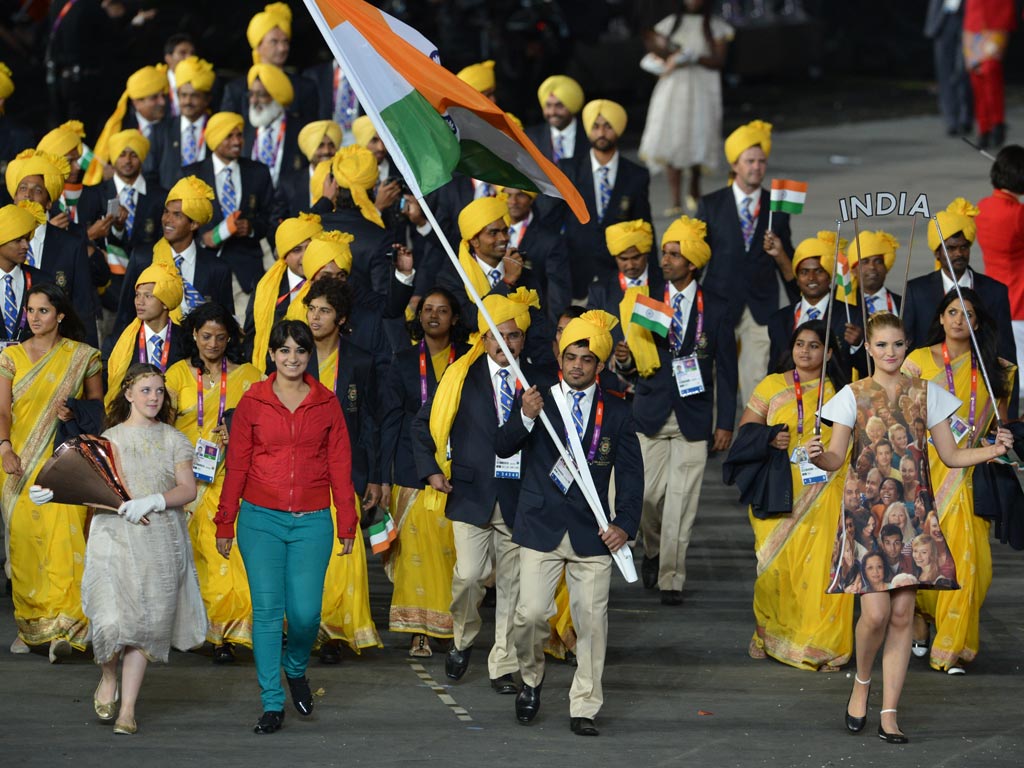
{"points": [[1001, 238], [293, 462]]}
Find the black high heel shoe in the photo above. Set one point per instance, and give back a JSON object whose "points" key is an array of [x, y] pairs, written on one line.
{"points": [[891, 738], [856, 724]]}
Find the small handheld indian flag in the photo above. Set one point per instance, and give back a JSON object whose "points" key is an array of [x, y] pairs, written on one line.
{"points": [[382, 534], [655, 316], [788, 196]]}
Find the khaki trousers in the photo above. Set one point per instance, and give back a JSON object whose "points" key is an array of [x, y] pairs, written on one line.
{"points": [[588, 580], [474, 549], [754, 347], [673, 471]]}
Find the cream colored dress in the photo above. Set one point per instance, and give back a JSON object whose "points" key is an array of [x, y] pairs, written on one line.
{"points": [[139, 588]]}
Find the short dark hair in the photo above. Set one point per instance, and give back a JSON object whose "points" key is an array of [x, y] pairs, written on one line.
{"points": [[889, 529], [71, 326], [882, 442], [336, 292], [1008, 169], [296, 330], [572, 311], [175, 40]]}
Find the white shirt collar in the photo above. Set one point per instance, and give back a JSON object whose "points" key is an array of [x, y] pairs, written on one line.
{"points": [[219, 165], [569, 132], [739, 195], [189, 254], [293, 279], [689, 292], [588, 395], [493, 368], [184, 123], [612, 165], [821, 306], [487, 268], [966, 280], [644, 277], [139, 185], [162, 334]]}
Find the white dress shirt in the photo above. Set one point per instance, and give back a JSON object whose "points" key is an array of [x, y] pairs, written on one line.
{"points": [[689, 296], [145, 126], [487, 269], [276, 131], [37, 244], [740, 196], [568, 135], [966, 281], [200, 124], [638, 282], [236, 179], [806, 306], [881, 300]]}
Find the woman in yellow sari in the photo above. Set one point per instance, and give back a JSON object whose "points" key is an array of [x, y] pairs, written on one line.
{"points": [[214, 360], [796, 622], [46, 546], [949, 361]]}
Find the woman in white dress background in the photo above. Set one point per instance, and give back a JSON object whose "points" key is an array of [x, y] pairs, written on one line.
{"points": [[684, 120]]}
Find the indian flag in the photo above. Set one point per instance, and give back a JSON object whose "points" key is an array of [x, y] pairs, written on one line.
{"points": [[431, 122], [844, 280], [788, 196], [655, 316], [382, 534]]}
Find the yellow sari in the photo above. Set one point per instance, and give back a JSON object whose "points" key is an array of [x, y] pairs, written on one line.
{"points": [[956, 613], [345, 612], [222, 582], [46, 545], [797, 623]]}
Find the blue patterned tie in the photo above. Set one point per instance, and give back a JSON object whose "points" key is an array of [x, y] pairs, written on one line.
{"points": [[813, 313], [128, 201], [676, 329], [344, 105], [495, 276], [228, 194], [506, 396], [158, 349], [193, 298], [189, 149], [30, 257], [266, 152], [604, 193], [10, 308], [558, 149], [747, 221], [577, 414], [483, 189], [870, 300]]}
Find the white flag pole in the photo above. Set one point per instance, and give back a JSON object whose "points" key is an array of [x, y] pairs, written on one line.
{"points": [[623, 557]]}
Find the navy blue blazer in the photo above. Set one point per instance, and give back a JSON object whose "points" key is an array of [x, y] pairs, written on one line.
{"points": [[447, 203], [32, 277], [747, 278], [657, 397], [475, 489], [546, 253], [545, 514], [370, 247], [163, 163], [65, 261], [149, 208], [293, 188]]}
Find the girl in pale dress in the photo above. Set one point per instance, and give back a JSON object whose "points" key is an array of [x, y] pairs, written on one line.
{"points": [[684, 120]]}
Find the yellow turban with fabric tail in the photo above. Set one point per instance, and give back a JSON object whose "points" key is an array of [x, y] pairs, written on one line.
{"points": [[316, 181], [20, 220], [480, 76], [131, 139], [563, 88], [323, 248], [505, 191], [472, 219], [312, 134], [958, 217], [273, 15], [147, 81], [363, 130], [445, 404], [63, 139], [54, 169], [295, 231], [274, 79], [6, 83], [821, 247], [220, 126], [195, 72], [756, 133], [623, 236], [612, 112], [166, 284], [594, 327], [691, 235], [355, 169], [877, 243], [196, 198]]}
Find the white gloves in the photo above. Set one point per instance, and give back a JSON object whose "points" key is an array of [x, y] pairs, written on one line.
{"points": [[40, 495], [134, 510]]}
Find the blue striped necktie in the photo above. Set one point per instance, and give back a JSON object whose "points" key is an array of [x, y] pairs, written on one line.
{"points": [[747, 221], [495, 276], [558, 148], [189, 148], [10, 308], [266, 151], [158, 349], [228, 194], [193, 298], [813, 313], [604, 193], [577, 414], [506, 396], [30, 257], [676, 329], [870, 301], [128, 201]]}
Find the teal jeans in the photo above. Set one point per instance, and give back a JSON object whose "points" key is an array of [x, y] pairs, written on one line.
{"points": [[286, 559]]}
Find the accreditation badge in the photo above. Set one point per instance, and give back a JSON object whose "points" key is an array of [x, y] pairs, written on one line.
{"points": [[561, 476], [810, 474], [508, 468], [689, 380], [205, 459], [958, 427]]}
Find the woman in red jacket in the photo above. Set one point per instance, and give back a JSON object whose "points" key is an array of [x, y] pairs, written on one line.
{"points": [[287, 459]]}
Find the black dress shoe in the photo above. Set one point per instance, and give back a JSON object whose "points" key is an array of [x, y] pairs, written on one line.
{"points": [[224, 654], [527, 703], [671, 597], [892, 738], [490, 598], [583, 726], [456, 662], [649, 571], [570, 659], [330, 653], [856, 724], [302, 697], [270, 722], [504, 684]]}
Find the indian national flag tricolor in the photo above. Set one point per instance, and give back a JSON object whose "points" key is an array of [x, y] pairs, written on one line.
{"points": [[654, 315], [382, 534], [431, 122], [788, 196], [844, 280]]}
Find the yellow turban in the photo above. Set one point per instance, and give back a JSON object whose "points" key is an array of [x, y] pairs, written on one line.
{"points": [[505, 191], [514, 119], [313, 133], [295, 231], [621, 237], [273, 15], [6, 82], [756, 133], [516, 306], [614, 113], [821, 247], [131, 139], [33, 162], [872, 244], [324, 248], [195, 72], [355, 169], [147, 81], [363, 130], [63, 139], [316, 182], [480, 76], [563, 88], [21, 220], [690, 234], [481, 212], [166, 284], [274, 79], [220, 126], [196, 198], [594, 326], [958, 217]]}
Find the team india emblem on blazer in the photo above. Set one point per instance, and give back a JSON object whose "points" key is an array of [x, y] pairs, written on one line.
{"points": [[150, 226], [353, 397], [702, 344], [252, 202], [625, 204], [297, 163], [605, 447], [61, 279]]}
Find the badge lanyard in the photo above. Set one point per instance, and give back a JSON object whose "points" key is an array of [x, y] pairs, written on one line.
{"points": [[423, 368], [223, 393], [598, 421], [798, 390], [974, 383], [144, 350], [284, 296], [700, 313]]}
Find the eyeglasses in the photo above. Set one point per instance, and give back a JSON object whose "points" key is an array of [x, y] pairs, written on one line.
{"points": [[514, 336]]}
